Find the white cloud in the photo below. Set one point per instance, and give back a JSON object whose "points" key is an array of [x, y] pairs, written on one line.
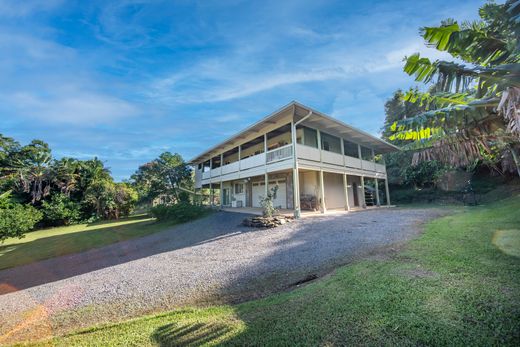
{"points": [[17, 8], [80, 107]]}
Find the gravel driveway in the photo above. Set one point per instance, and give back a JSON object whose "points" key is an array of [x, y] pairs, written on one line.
{"points": [[210, 260]]}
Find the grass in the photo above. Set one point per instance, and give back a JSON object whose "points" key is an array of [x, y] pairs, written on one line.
{"points": [[458, 284], [53, 242]]}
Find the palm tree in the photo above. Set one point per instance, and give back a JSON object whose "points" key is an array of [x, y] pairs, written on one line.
{"points": [[473, 105], [32, 166], [66, 175]]}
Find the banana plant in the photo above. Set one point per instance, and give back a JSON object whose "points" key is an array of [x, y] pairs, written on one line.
{"points": [[472, 106]]}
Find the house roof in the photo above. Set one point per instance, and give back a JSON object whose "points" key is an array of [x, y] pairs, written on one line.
{"points": [[315, 120]]}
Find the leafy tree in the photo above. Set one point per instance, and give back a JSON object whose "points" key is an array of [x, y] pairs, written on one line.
{"points": [[66, 176], [32, 166], [16, 219], [472, 110], [61, 210], [125, 198], [109, 199], [164, 175]]}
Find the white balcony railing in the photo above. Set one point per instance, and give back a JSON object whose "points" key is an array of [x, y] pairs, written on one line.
{"points": [[353, 162], [253, 161], [332, 158], [279, 153], [368, 165], [380, 168], [307, 152], [232, 167], [206, 175]]}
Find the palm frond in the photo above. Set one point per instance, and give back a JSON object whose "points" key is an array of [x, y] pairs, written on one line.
{"points": [[437, 100], [509, 108]]}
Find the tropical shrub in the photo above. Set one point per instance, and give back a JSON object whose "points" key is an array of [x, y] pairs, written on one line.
{"points": [[178, 213], [61, 210], [16, 219], [267, 202], [424, 174]]}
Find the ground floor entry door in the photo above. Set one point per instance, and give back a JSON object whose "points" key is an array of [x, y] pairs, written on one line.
{"points": [[355, 192], [225, 197]]}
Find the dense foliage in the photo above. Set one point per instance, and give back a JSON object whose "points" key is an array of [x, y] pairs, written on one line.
{"points": [[168, 175], [55, 191], [471, 111], [61, 210], [16, 219], [179, 213]]}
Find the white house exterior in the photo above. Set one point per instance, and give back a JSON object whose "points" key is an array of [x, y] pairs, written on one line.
{"points": [[333, 163]]}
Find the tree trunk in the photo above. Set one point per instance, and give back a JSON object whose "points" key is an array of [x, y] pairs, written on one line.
{"points": [[515, 159]]}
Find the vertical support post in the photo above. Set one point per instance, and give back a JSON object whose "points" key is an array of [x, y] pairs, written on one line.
{"points": [[342, 150], [239, 157], [318, 132], [296, 176], [322, 190], [210, 192], [377, 192], [387, 192], [221, 194], [266, 178], [364, 204], [345, 191]]}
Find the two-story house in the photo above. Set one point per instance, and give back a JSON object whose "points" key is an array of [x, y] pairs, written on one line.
{"points": [[317, 162]]}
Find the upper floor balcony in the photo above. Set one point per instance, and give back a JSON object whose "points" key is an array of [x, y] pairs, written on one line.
{"points": [[250, 156]]}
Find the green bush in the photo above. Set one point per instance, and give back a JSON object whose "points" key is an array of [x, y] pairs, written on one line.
{"points": [[178, 213], [17, 219], [61, 211]]}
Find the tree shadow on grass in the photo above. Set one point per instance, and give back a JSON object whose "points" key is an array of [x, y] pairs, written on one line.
{"points": [[191, 334]]}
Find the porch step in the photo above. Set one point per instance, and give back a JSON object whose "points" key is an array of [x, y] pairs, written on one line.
{"points": [[369, 198]]}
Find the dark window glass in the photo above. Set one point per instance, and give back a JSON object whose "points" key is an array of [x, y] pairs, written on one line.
{"points": [[330, 143], [366, 154], [307, 136], [351, 149]]}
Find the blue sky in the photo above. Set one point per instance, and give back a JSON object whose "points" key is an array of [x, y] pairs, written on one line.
{"points": [[127, 80]]}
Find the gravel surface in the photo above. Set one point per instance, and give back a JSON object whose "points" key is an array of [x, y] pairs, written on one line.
{"points": [[210, 260]]}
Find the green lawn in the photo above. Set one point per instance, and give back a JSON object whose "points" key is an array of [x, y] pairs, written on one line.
{"points": [[458, 284], [53, 242]]}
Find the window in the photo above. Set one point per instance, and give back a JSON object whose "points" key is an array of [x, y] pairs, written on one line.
{"points": [[205, 166], [307, 136], [330, 143], [200, 166], [366, 154], [239, 188], [351, 149], [215, 162]]}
